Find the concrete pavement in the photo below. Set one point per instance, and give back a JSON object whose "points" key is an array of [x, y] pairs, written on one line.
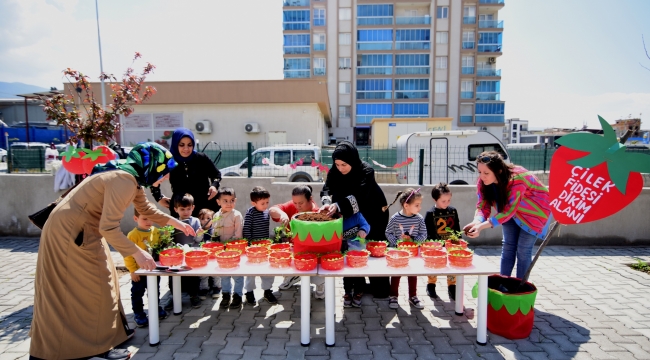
{"points": [[590, 305]]}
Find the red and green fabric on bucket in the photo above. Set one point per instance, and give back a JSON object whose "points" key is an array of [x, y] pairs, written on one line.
{"points": [[510, 314]]}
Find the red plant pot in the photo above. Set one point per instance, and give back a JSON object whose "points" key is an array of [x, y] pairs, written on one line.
{"points": [[212, 248], [460, 258], [257, 254], [332, 262], [239, 245], [280, 247], [228, 259], [197, 258], [264, 242], [434, 259], [171, 257], [398, 258], [409, 246], [357, 258], [305, 262], [449, 244], [376, 248], [431, 245], [280, 259]]}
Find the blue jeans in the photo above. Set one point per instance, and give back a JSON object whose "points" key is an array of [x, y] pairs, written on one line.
{"points": [[516, 244], [137, 293], [226, 284]]}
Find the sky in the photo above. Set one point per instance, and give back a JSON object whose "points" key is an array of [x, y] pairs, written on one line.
{"points": [[564, 62]]}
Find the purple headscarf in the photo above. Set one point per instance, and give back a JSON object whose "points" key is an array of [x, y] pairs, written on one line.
{"points": [[176, 138]]}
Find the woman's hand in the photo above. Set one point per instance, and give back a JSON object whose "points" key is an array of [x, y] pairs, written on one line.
{"points": [[212, 192], [284, 219], [144, 260], [330, 209], [474, 229], [164, 202], [362, 234], [184, 227]]}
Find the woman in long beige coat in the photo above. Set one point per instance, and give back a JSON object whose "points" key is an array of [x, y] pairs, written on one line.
{"points": [[77, 308]]}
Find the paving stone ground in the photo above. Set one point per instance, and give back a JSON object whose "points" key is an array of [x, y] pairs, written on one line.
{"points": [[590, 305]]}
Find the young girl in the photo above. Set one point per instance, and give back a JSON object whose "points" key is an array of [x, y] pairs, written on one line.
{"points": [[406, 224]]}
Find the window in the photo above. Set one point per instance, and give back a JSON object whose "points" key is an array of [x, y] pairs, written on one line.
{"points": [[375, 64], [319, 17], [345, 13], [306, 155], [296, 68], [442, 12], [344, 111], [411, 88], [441, 87], [467, 89], [468, 39], [489, 42], [469, 15], [141, 127], [319, 42], [375, 14], [440, 111], [375, 39], [345, 38], [466, 113], [408, 64], [374, 89], [345, 63], [319, 66], [442, 37], [412, 110], [411, 39], [490, 112], [258, 158], [476, 150], [296, 44], [367, 112], [295, 20], [344, 87], [441, 62], [467, 65], [282, 157], [514, 126]]}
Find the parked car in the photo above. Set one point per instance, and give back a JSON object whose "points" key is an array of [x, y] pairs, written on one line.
{"points": [[278, 161], [3, 155]]}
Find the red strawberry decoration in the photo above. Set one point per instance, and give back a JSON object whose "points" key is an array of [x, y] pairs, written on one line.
{"points": [[72, 160], [100, 155], [592, 176]]}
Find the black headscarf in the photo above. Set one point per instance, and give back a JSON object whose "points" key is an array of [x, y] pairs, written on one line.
{"points": [[348, 153]]}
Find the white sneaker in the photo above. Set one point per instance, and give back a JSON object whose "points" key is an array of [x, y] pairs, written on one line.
{"points": [[320, 292], [416, 303], [392, 302], [288, 282]]}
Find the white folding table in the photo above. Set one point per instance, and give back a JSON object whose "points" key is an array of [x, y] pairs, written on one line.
{"points": [[378, 267], [244, 269]]}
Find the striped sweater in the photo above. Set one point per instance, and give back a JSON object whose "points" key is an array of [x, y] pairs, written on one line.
{"points": [[528, 203], [401, 224]]}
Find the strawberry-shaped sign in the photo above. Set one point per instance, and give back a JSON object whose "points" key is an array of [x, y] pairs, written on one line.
{"points": [[100, 155], [592, 176], [72, 160]]}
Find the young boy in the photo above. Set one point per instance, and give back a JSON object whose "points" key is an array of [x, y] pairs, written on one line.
{"points": [[353, 227], [184, 206], [437, 219], [205, 217], [227, 224], [256, 226], [143, 232]]}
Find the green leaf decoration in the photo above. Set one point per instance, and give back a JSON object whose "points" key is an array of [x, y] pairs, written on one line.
{"points": [[71, 152], [608, 131], [583, 141], [512, 302], [475, 290], [639, 162], [93, 154], [317, 230]]}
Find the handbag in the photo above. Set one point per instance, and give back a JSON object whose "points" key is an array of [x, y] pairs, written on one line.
{"points": [[40, 217]]}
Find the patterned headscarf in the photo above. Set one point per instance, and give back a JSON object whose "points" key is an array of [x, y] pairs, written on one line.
{"points": [[147, 162]]}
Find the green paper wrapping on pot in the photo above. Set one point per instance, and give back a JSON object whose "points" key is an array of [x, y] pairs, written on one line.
{"points": [[512, 302], [317, 236]]}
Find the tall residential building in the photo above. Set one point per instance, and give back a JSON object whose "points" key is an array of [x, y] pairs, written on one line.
{"points": [[392, 59], [513, 130]]}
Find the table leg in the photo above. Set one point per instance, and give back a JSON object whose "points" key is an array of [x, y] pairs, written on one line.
{"points": [[481, 324], [330, 312], [177, 296], [305, 310], [152, 291], [460, 298]]}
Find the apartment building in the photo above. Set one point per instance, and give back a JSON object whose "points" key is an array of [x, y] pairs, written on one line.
{"points": [[396, 59]]}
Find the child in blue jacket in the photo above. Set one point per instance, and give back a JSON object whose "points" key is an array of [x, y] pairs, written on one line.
{"points": [[354, 227]]}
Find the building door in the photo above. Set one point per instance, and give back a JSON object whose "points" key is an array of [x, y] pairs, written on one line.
{"points": [[362, 136]]}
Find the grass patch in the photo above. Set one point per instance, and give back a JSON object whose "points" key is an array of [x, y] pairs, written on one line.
{"points": [[640, 265]]}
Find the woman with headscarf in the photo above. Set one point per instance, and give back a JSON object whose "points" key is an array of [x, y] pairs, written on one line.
{"points": [[351, 188], [77, 307], [195, 174]]}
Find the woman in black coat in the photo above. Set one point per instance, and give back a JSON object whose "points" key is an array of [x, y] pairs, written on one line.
{"points": [[195, 174], [350, 188]]}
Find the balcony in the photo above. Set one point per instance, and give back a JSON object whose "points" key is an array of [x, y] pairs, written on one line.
{"points": [[488, 72], [295, 3], [413, 20], [375, 20], [374, 95], [490, 24], [468, 44], [319, 47], [412, 45], [466, 94], [319, 71], [412, 70], [296, 74], [292, 50], [366, 119], [488, 96], [489, 48], [374, 45], [469, 20], [411, 94], [296, 25], [466, 119], [488, 2], [490, 118], [374, 70], [467, 70]]}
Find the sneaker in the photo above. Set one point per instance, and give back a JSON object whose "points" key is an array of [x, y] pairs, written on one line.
{"points": [[236, 301], [356, 300], [203, 294], [195, 301], [141, 320], [225, 301], [392, 302], [250, 298], [319, 293], [451, 290], [129, 333], [162, 314], [347, 300], [415, 302], [216, 292], [288, 282], [431, 291], [268, 296], [168, 304]]}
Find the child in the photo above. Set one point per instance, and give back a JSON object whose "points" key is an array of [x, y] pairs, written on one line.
{"points": [[227, 224], [143, 232], [437, 219], [184, 206], [406, 224], [353, 227], [205, 217], [256, 226]]}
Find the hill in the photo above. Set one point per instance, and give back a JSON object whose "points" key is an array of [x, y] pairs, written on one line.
{"points": [[9, 90]]}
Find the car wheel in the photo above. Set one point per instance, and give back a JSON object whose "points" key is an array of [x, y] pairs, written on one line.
{"points": [[300, 179], [232, 174], [458, 182]]}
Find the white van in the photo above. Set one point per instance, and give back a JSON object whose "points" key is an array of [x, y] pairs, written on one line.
{"points": [[277, 161], [449, 156]]}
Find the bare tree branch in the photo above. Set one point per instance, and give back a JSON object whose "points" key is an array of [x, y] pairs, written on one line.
{"points": [[646, 53]]}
